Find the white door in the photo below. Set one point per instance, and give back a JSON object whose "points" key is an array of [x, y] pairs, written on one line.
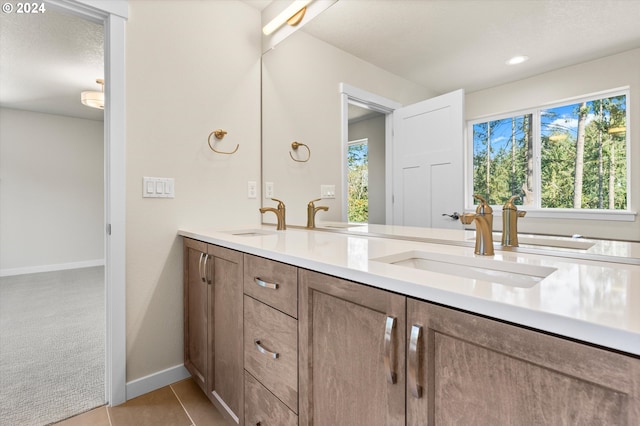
{"points": [[428, 162]]}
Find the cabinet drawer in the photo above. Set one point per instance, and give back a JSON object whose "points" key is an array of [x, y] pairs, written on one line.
{"points": [[271, 350], [273, 283], [261, 407]]}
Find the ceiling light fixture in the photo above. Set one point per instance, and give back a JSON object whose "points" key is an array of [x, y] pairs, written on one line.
{"points": [[292, 15], [517, 60], [94, 99]]}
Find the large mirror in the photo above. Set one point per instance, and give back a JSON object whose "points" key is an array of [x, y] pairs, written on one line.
{"points": [[403, 52]]}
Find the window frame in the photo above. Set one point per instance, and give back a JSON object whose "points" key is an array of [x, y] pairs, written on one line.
{"points": [[536, 210]]}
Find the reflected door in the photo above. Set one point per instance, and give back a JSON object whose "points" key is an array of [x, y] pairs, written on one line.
{"points": [[428, 162]]}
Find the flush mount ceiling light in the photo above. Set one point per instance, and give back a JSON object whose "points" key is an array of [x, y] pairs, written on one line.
{"points": [[94, 99], [517, 60], [292, 15]]}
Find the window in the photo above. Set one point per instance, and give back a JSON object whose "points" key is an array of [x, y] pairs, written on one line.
{"points": [[358, 181], [564, 156]]}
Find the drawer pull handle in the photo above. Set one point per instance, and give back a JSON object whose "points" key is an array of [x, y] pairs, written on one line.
{"points": [[261, 283], [414, 361], [262, 350], [200, 269], [389, 353]]}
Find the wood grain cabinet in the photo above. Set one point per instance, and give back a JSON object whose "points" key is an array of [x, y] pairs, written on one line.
{"points": [[466, 369], [270, 342], [213, 314], [352, 353]]}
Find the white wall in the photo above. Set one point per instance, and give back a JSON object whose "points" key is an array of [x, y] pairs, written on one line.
{"points": [[192, 67], [603, 74], [51, 192], [373, 130], [301, 102]]}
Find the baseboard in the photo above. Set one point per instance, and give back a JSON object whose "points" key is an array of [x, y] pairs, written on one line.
{"points": [[51, 268], [156, 381]]}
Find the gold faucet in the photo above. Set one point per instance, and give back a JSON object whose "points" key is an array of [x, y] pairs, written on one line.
{"points": [[280, 214], [311, 212], [510, 215], [484, 226]]}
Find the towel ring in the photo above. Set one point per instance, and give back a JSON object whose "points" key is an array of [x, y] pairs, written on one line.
{"points": [[295, 146], [219, 134]]}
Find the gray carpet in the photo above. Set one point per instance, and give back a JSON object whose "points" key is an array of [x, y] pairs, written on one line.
{"points": [[52, 328]]}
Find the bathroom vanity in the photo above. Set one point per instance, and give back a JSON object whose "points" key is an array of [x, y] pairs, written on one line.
{"points": [[331, 328]]}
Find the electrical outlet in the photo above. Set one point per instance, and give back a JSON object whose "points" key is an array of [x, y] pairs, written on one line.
{"points": [[252, 189], [268, 190]]}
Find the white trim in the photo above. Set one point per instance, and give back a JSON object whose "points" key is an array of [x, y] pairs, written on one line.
{"points": [[352, 94], [157, 380], [226, 407], [112, 14], [51, 268]]}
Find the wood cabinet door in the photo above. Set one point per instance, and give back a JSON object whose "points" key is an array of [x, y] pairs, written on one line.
{"points": [[351, 352], [196, 320], [226, 378], [474, 370]]}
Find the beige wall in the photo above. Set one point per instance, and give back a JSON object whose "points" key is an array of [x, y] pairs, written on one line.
{"points": [[603, 74], [51, 192], [192, 67], [301, 102]]}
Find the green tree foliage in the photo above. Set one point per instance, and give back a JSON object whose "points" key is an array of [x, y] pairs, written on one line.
{"points": [[358, 185], [501, 166]]}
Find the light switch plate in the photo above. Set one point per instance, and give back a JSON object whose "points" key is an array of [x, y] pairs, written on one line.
{"points": [[327, 191], [154, 187]]}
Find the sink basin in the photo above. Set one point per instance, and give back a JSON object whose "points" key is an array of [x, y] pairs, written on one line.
{"points": [[565, 243], [485, 269], [340, 225], [250, 232]]}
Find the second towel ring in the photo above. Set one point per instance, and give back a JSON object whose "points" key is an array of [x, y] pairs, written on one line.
{"points": [[220, 134], [295, 145]]}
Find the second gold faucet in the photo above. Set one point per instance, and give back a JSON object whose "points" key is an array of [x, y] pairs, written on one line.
{"points": [[311, 212]]}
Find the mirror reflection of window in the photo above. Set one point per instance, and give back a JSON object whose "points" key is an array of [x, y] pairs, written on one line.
{"points": [[358, 181], [581, 147]]}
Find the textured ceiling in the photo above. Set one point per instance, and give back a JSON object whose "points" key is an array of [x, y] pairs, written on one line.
{"points": [[47, 59]]}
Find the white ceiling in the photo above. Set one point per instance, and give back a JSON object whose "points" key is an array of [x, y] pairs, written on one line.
{"points": [[447, 45], [48, 59]]}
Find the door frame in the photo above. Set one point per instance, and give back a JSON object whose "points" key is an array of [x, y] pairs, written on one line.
{"points": [[112, 14], [356, 96]]}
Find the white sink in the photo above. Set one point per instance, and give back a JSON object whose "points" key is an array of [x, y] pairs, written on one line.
{"points": [[250, 232], [565, 243], [484, 269]]}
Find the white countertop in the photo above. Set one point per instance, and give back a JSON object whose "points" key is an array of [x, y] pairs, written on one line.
{"points": [[591, 301], [605, 250]]}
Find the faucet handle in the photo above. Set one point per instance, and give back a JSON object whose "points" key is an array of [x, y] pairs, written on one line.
{"points": [[280, 202], [311, 203], [483, 207], [509, 204]]}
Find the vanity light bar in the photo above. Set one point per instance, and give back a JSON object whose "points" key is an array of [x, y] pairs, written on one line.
{"points": [[285, 15]]}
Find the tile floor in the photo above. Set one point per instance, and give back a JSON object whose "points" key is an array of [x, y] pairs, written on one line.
{"points": [[179, 404]]}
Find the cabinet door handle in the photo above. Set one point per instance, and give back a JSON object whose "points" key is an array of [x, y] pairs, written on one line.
{"points": [[389, 353], [207, 269], [261, 283], [262, 350], [414, 361], [200, 268]]}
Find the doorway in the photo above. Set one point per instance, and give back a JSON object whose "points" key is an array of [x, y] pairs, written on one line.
{"points": [[112, 15]]}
